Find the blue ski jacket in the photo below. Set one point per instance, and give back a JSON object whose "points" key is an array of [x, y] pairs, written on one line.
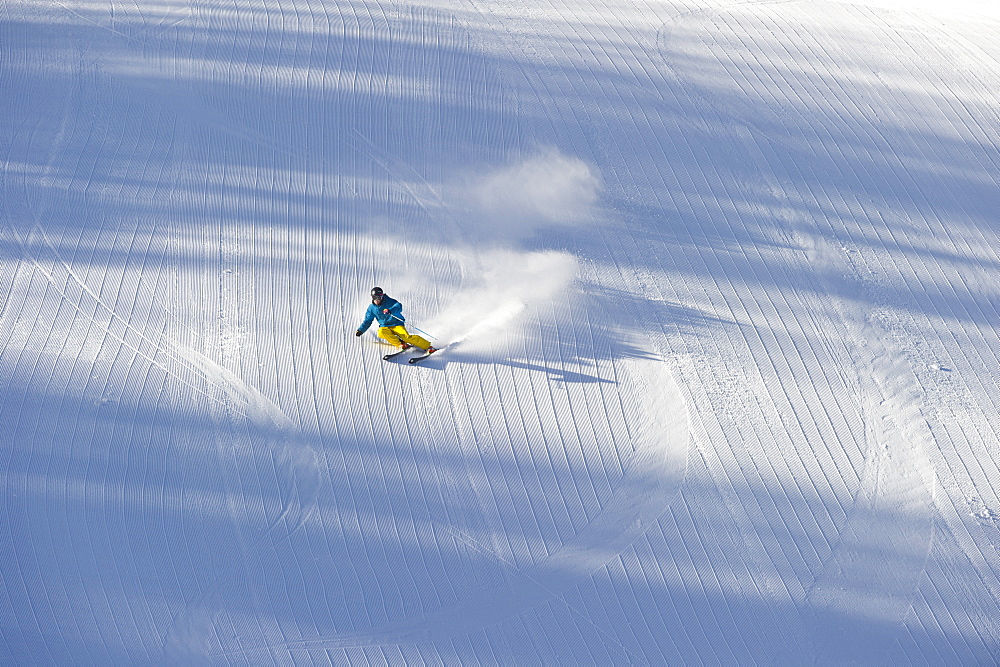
{"points": [[393, 318]]}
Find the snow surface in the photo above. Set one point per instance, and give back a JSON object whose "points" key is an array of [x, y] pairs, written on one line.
{"points": [[722, 283]]}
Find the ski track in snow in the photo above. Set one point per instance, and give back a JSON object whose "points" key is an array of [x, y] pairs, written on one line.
{"points": [[760, 425]]}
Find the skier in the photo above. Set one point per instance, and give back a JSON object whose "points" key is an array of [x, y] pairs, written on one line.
{"points": [[389, 314]]}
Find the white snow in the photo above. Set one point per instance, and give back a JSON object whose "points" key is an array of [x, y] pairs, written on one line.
{"points": [[722, 283]]}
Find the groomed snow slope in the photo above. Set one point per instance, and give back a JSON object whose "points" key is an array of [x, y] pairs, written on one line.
{"points": [[722, 283]]}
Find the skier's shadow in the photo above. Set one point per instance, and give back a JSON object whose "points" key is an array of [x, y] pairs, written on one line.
{"points": [[559, 375], [556, 375]]}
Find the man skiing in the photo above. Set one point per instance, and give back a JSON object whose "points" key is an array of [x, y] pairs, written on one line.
{"points": [[389, 314]]}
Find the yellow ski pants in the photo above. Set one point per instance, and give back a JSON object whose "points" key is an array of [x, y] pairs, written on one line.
{"points": [[399, 335]]}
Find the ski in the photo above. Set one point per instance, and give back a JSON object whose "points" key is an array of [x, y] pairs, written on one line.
{"points": [[414, 360], [389, 356]]}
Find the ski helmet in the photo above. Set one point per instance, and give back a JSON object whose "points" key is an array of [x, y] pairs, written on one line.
{"points": [[377, 293]]}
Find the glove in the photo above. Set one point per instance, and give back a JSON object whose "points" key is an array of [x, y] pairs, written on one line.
{"points": [[385, 311], [357, 333]]}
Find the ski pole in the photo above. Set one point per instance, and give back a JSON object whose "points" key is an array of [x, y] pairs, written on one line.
{"points": [[425, 333]]}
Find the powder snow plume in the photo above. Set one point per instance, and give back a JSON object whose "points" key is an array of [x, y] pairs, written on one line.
{"points": [[506, 283], [511, 203], [498, 210]]}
